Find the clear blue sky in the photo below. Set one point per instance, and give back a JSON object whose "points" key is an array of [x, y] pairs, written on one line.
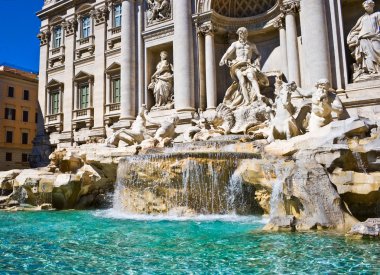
{"points": [[19, 45]]}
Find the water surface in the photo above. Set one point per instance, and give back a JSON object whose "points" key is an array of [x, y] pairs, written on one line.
{"points": [[108, 242]]}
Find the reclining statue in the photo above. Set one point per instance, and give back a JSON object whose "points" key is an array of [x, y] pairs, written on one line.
{"points": [[245, 72], [134, 135]]}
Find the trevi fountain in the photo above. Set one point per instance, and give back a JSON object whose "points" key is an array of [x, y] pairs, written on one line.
{"points": [[276, 169]]}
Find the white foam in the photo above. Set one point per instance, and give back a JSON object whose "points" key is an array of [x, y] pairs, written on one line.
{"points": [[114, 214]]}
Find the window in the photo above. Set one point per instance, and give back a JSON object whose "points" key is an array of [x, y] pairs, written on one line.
{"points": [[84, 93], [25, 138], [25, 116], [8, 156], [36, 118], [10, 113], [57, 37], [9, 137], [24, 157], [26, 95], [54, 103], [11, 91], [116, 90], [117, 16], [86, 21]]}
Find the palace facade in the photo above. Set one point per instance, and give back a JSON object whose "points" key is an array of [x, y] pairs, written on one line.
{"points": [[98, 56]]}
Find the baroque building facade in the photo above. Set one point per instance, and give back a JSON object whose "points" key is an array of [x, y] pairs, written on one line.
{"points": [[100, 60]]}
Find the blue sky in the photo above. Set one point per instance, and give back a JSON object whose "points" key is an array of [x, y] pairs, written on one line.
{"points": [[19, 45]]}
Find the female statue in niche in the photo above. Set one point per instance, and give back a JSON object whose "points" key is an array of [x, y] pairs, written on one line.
{"points": [[162, 83], [364, 42]]}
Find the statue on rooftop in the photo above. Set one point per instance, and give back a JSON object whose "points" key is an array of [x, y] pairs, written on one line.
{"points": [[364, 42], [243, 58]]}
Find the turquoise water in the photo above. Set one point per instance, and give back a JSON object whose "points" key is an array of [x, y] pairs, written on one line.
{"points": [[102, 242]]}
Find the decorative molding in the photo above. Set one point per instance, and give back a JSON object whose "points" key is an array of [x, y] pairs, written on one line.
{"points": [[280, 22], [167, 30]]}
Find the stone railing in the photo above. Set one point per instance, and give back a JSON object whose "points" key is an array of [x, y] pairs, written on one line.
{"points": [[83, 117], [54, 122], [57, 51], [113, 107]]}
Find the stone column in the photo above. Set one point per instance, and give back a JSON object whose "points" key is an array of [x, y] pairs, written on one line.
{"points": [[315, 45], [70, 28], [183, 56], [140, 42], [210, 66], [98, 95], [44, 37], [201, 70], [280, 25], [290, 9], [128, 65]]}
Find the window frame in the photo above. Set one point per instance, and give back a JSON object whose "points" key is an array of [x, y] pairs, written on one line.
{"points": [[11, 91], [8, 138], [114, 96], [117, 15], [24, 134], [57, 37], [26, 95], [86, 29], [8, 156], [23, 116], [81, 96]]}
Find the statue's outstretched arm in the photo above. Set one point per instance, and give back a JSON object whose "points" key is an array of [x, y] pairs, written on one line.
{"points": [[228, 53]]}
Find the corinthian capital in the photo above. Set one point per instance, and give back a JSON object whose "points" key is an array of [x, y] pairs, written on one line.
{"points": [[100, 15], [279, 23], [70, 26], [44, 37], [207, 29], [290, 7]]}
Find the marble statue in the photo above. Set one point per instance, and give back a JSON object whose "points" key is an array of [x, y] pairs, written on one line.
{"points": [[364, 42], [245, 72], [284, 125], [134, 135], [167, 129], [324, 103], [162, 83], [158, 10]]}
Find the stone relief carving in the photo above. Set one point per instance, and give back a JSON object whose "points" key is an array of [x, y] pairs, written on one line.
{"points": [[364, 42], [158, 10], [245, 72], [99, 15], [162, 84]]}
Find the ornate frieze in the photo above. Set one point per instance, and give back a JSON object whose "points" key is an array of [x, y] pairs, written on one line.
{"points": [[44, 37], [158, 11]]}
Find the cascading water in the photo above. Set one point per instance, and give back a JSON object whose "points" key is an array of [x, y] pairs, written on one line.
{"points": [[192, 183], [276, 199]]}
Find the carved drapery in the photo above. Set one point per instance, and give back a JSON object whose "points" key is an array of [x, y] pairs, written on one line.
{"points": [[158, 11]]}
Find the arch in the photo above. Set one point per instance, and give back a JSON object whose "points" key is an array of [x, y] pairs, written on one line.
{"points": [[236, 8], [56, 20], [83, 8]]}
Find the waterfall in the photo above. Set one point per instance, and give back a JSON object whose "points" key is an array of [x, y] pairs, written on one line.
{"points": [[196, 183], [276, 199]]}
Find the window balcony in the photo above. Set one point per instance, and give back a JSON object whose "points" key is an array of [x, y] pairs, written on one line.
{"points": [[83, 118], [85, 45], [57, 51], [54, 123], [112, 112]]}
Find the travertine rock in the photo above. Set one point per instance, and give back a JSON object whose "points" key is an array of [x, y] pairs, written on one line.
{"points": [[369, 228]]}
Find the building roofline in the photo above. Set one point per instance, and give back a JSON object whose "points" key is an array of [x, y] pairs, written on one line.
{"points": [[19, 74]]}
